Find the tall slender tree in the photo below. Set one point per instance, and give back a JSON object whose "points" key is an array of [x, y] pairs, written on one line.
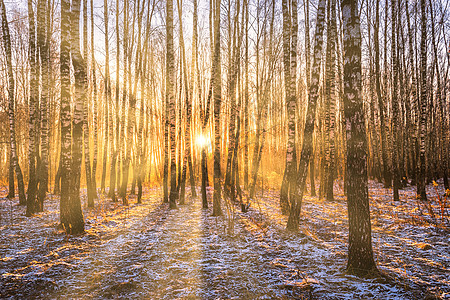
{"points": [[421, 194], [217, 95], [71, 215], [313, 95], [124, 147], [6, 37], [187, 159], [33, 115], [94, 107], [166, 117], [108, 124], [115, 146], [386, 172], [308, 85], [44, 54], [246, 96], [80, 74], [189, 109], [205, 110], [290, 27], [395, 104], [330, 101], [360, 253], [86, 137], [170, 94]]}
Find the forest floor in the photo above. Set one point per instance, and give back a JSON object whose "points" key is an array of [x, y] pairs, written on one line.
{"points": [[148, 251]]}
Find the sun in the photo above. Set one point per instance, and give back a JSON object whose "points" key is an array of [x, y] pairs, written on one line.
{"points": [[201, 140]]}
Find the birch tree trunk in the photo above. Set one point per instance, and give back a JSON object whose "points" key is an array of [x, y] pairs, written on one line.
{"points": [[43, 45], [33, 116], [76, 225], [187, 162], [313, 96], [360, 253], [246, 97], [94, 108], [194, 75], [108, 122], [421, 194], [233, 79], [204, 111], [124, 146], [217, 95], [395, 105], [71, 215], [107, 90], [330, 102], [386, 173], [308, 86], [290, 62], [11, 103], [144, 94], [414, 99], [115, 146], [291, 168], [86, 137], [170, 94]]}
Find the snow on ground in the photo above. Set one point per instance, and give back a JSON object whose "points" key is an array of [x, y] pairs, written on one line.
{"points": [[148, 251], [410, 246]]}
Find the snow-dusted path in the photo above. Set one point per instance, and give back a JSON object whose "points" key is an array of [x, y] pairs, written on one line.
{"points": [[183, 253]]}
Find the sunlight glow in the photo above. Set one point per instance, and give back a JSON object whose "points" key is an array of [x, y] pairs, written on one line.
{"points": [[201, 141]]}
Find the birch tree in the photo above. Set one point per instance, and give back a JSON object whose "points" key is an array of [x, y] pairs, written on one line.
{"points": [[108, 124], [360, 253], [71, 215], [11, 103], [86, 137], [33, 103], [217, 96], [395, 105], [386, 172], [313, 96], [43, 34], [421, 194], [290, 28], [170, 94]]}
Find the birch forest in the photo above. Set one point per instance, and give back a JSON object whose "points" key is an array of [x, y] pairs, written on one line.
{"points": [[224, 149]]}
